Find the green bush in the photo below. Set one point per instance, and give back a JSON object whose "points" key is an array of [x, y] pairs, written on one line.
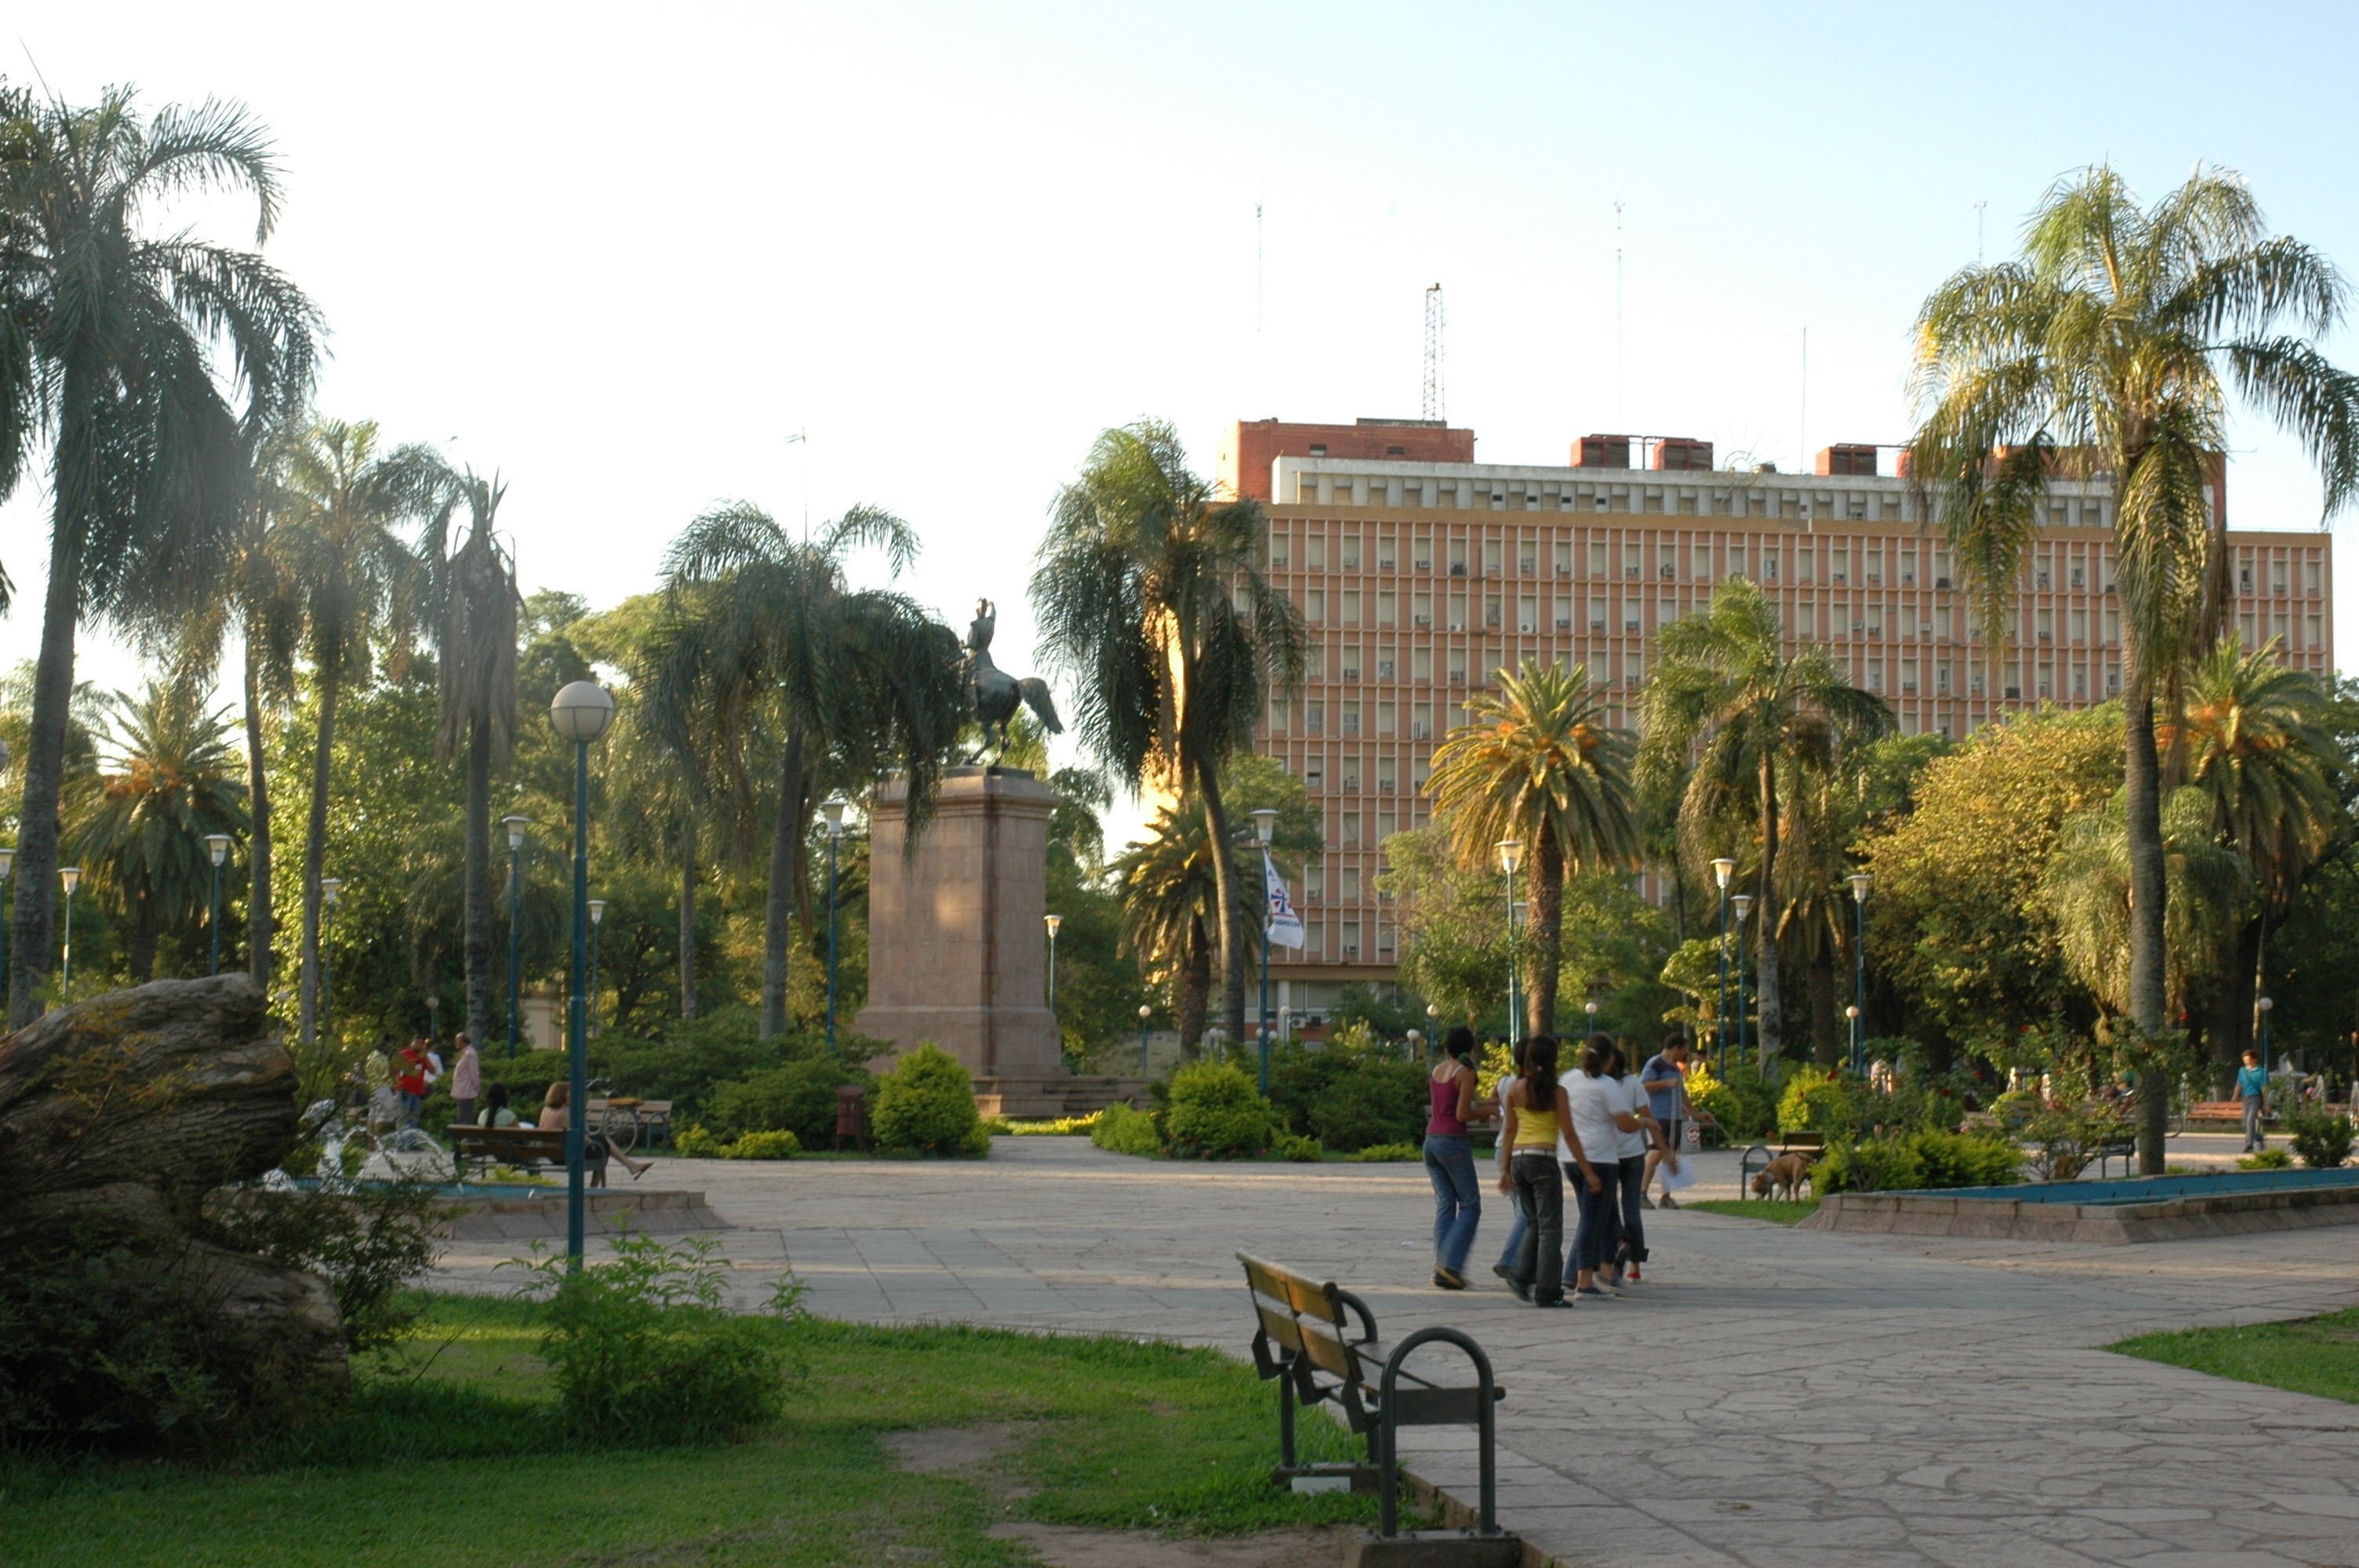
{"points": [[1294, 1146], [1376, 1153], [2322, 1138], [798, 1097], [695, 1142], [369, 1241], [1874, 1165], [926, 1105], [2265, 1160], [1966, 1159], [1377, 1102], [779, 1145], [1125, 1131], [645, 1349], [1923, 1159], [1815, 1100], [1744, 1103], [1217, 1114]]}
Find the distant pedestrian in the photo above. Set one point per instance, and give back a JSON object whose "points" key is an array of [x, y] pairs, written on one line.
{"points": [[556, 1117], [1449, 1159], [1639, 1144], [413, 1070], [1533, 1113], [466, 1081], [497, 1110], [2252, 1088], [1594, 1096], [1665, 1079], [1517, 1225]]}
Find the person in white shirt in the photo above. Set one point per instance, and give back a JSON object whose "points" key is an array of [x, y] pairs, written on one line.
{"points": [[1641, 1140], [1596, 1100]]}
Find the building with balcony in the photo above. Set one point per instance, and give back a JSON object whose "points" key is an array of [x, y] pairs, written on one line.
{"points": [[1419, 572]]}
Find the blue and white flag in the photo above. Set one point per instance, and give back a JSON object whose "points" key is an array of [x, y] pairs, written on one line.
{"points": [[1285, 927]]}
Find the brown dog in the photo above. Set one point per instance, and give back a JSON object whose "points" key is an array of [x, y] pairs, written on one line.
{"points": [[1782, 1178]]}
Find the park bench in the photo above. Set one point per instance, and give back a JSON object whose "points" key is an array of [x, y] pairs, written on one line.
{"points": [[2223, 1112], [650, 1120], [1304, 1341], [1805, 1142], [520, 1148]]}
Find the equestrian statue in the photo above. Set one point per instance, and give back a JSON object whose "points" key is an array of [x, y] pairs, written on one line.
{"points": [[993, 693]]}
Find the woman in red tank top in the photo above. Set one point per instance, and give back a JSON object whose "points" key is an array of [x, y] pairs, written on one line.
{"points": [[1450, 1159]]}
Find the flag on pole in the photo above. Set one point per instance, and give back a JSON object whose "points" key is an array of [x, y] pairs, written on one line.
{"points": [[1285, 927]]}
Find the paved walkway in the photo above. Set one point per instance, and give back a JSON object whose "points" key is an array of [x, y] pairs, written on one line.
{"points": [[1769, 1397]]}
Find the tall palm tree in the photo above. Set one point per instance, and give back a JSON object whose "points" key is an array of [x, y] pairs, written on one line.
{"points": [[473, 605], [1538, 764], [2087, 886], [1815, 928], [142, 825], [114, 347], [352, 580], [1723, 688], [766, 627], [2109, 348], [2257, 746], [1151, 600]]}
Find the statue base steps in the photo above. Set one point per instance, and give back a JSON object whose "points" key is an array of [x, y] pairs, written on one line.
{"points": [[1046, 1099]]}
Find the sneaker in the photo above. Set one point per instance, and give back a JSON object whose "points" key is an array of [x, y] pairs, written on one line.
{"points": [[1667, 1200], [1522, 1289], [1503, 1271], [1449, 1279], [1595, 1291], [1645, 1202], [1558, 1303]]}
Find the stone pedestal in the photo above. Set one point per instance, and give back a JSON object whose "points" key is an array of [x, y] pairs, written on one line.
{"points": [[957, 951]]}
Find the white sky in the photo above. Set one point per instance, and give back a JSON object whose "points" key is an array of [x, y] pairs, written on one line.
{"points": [[620, 255]]}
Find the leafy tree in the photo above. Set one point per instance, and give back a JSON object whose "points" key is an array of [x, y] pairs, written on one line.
{"points": [[141, 831], [1151, 599], [111, 340], [2086, 886], [1538, 764], [763, 625], [1724, 690], [2110, 347], [1453, 927], [351, 581], [1956, 923]]}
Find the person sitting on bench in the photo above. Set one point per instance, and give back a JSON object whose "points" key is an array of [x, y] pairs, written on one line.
{"points": [[556, 1117]]}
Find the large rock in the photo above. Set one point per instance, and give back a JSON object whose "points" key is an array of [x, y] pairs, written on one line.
{"points": [[119, 1114]]}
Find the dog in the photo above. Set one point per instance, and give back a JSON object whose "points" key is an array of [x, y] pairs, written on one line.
{"points": [[1782, 1178]]}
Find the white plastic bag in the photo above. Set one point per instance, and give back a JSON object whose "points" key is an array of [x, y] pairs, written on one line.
{"points": [[1677, 1174]]}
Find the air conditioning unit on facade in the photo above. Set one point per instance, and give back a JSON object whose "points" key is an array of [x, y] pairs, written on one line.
{"points": [[1564, 623], [1529, 628], [1420, 620]]}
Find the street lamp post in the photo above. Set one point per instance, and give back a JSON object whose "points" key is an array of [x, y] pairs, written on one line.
{"points": [[7, 859], [1511, 855], [216, 846], [70, 876], [832, 808], [516, 826], [1417, 1044], [1143, 1010], [1264, 820], [1721, 870], [580, 713], [2266, 1006], [1742, 905], [330, 889], [1859, 973], [1590, 1007], [597, 924], [1052, 921], [433, 1018]]}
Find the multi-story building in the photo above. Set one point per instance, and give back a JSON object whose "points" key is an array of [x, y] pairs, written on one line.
{"points": [[1421, 572]]}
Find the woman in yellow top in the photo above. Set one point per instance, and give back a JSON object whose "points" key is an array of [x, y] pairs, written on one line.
{"points": [[1536, 1116]]}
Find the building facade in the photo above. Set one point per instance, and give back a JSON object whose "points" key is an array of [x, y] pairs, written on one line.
{"points": [[1418, 574]]}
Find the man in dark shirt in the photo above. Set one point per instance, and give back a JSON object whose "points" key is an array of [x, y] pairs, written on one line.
{"points": [[1665, 1079]]}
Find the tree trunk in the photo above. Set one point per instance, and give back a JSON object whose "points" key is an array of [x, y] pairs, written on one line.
{"points": [[1544, 958], [2232, 1004], [777, 920], [315, 862], [688, 927], [32, 939], [258, 924], [1769, 995], [476, 941], [1195, 988], [1826, 1014], [1233, 911], [144, 939], [2142, 798]]}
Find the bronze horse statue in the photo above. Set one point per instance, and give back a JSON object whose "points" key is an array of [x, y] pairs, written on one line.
{"points": [[995, 694]]}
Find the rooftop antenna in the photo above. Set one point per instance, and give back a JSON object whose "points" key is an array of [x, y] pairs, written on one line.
{"points": [[1618, 315], [1978, 231], [803, 438], [1802, 465], [1432, 401], [1256, 272]]}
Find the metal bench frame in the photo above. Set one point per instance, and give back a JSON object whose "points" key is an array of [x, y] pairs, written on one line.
{"points": [[1788, 1143], [1305, 1344]]}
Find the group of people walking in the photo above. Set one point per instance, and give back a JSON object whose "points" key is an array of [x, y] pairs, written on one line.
{"points": [[1598, 1127]]}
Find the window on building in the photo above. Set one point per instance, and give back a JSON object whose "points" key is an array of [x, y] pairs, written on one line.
{"points": [[1314, 605], [1630, 565], [1736, 559], [1384, 550], [1702, 558], [1314, 553], [1385, 609], [1491, 550], [1806, 567], [1806, 618], [1351, 780], [1314, 718], [1384, 719], [1597, 557], [1279, 546], [1420, 664], [1421, 724]]}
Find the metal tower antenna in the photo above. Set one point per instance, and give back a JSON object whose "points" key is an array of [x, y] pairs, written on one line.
{"points": [[1618, 315], [1433, 404]]}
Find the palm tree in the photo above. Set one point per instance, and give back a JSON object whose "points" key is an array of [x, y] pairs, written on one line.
{"points": [[1815, 928], [475, 602], [1151, 600], [1723, 688], [108, 341], [2108, 348], [2257, 747], [142, 827], [766, 627], [1538, 764], [2087, 887], [351, 580]]}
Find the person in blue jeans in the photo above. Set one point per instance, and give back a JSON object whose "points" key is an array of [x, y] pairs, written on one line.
{"points": [[2252, 1088], [1505, 1267], [1450, 1159]]}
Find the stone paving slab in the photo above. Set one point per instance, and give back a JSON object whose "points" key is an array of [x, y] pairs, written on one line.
{"points": [[1767, 1396]]}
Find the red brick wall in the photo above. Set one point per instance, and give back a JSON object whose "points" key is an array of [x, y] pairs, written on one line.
{"points": [[1252, 444]]}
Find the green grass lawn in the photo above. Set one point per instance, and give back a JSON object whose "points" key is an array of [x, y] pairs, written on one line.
{"points": [[450, 1460], [2308, 1356], [1776, 1213]]}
